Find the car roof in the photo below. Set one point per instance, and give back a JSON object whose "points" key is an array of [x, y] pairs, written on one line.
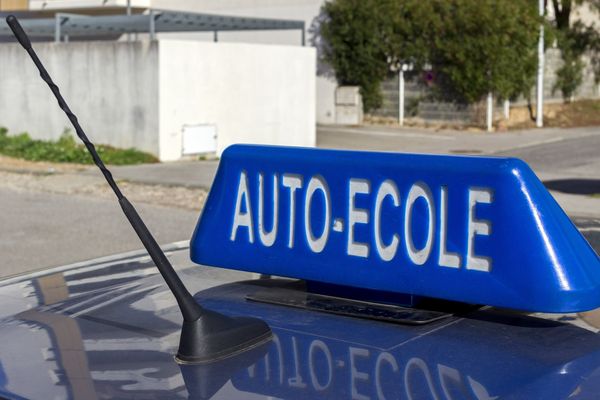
{"points": [[109, 328]]}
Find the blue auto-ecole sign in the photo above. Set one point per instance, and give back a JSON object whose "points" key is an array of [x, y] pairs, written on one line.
{"points": [[474, 229]]}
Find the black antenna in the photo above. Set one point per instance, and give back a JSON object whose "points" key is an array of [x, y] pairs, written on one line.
{"points": [[205, 335]]}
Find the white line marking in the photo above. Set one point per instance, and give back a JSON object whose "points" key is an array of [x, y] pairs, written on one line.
{"points": [[540, 142], [390, 134], [531, 144], [589, 229]]}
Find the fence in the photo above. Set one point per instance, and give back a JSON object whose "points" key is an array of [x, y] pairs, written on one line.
{"points": [[419, 102]]}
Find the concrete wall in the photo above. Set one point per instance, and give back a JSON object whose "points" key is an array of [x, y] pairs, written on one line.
{"points": [[141, 94], [305, 10], [110, 86], [79, 4], [252, 93], [588, 89]]}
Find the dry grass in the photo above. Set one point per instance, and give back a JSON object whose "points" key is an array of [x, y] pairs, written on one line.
{"points": [[562, 115]]}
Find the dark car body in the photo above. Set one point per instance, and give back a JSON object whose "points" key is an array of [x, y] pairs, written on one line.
{"points": [[109, 328]]}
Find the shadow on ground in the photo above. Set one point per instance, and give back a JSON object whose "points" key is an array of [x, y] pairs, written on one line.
{"points": [[574, 186]]}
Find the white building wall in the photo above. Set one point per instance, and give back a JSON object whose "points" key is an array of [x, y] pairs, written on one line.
{"points": [[252, 93], [141, 94], [70, 4], [111, 86], [305, 10]]}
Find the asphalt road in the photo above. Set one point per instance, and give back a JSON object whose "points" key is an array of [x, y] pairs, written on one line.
{"points": [[564, 157], [41, 229], [590, 228]]}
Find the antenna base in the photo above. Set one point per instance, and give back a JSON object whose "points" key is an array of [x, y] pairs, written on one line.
{"points": [[214, 336]]}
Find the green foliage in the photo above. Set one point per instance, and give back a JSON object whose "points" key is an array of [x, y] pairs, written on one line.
{"points": [[575, 39], [413, 26], [66, 149], [353, 31], [485, 46], [472, 46], [569, 76]]}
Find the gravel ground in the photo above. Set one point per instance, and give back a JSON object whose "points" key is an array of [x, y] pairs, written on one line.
{"points": [[42, 167], [95, 186]]}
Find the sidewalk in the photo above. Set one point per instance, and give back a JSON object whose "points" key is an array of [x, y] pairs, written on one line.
{"points": [[191, 174]]}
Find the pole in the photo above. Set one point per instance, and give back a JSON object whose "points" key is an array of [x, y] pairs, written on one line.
{"points": [[401, 96], [57, 21], [506, 109], [128, 12], [490, 111], [152, 26], [539, 118]]}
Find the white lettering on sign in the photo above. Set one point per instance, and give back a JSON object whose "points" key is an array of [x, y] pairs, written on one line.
{"points": [[242, 218], [267, 238], [317, 244], [370, 216], [357, 216], [292, 182], [419, 190], [446, 258], [477, 227], [386, 252]]}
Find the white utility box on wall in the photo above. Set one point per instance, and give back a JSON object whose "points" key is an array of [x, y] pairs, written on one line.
{"points": [[348, 105], [199, 139]]}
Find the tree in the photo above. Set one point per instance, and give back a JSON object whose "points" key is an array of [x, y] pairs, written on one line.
{"points": [[574, 39], [473, 46], [353, 31], [485, 46], [411, 30]]}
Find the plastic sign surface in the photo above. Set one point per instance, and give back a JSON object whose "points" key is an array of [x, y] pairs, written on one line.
{"points": [[472, 229]]}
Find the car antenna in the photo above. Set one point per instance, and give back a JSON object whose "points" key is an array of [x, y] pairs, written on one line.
{"points": [[206, 335]]}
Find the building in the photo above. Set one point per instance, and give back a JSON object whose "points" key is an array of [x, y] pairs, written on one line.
{"points": [[173, 95], [306, 10]]}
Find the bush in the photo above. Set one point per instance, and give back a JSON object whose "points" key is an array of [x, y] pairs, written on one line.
{"points": [[574, 41], [353, 32], [66, 150], [473, 46], [569, 76], [485, 46], [575, 38]]}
